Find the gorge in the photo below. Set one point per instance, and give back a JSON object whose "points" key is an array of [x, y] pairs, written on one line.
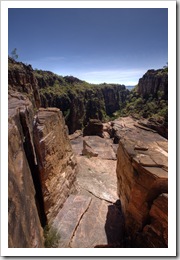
{"points": [[87, 164]]}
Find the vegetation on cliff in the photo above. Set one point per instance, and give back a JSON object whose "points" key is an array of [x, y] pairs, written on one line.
{"points": [[78, 100], [150, 97]]}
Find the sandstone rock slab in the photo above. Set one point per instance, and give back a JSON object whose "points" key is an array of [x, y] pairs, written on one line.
{"points": [[56, 161], [97, 146], [142, 176], [98, 177], [68, 218]]}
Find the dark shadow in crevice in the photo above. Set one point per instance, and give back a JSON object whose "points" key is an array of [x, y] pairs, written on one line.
{"points": [[115, 226], [29, 151]]}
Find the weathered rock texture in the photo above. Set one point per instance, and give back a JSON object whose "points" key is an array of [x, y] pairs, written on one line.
{"points": [[21, 79], [152, 82], [158, 125], [42, 169], [142, 172], [56, 161], [24, 227]]}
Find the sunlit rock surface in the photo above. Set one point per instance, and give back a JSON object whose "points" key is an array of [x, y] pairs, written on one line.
{"points": [[142, 173], [56, 161]]}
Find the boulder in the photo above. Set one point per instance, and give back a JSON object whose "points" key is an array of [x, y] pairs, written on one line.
{"points": [[94, 127]]}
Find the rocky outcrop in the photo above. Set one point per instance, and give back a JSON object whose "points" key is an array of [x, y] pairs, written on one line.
{"points": [[142, 173], [158, 125], [56, 161], [42, 169], [155, 83], [78, 106], [21, 79], [24, 227], [80, 101]]}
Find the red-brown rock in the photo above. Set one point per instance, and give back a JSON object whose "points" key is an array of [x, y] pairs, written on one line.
{"points": [[142, 172], [57, 163], [24, 227]]}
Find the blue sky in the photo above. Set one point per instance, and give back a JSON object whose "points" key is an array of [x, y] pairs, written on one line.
{"points": [[114, 45]]}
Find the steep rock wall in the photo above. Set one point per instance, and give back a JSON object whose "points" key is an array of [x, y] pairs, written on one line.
{"points": [[142, 173], [79, 100], [153, 82], [41, 166], [22, 79], [24, 227], [79, 106], [56, 161]]}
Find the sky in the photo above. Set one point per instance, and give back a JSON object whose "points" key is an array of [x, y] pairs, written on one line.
{"points": [[113, 45]]}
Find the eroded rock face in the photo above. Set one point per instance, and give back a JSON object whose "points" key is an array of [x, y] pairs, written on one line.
{"points": [[160, 126], [152, 82], [22, 79], [142, 173], [24, 227], [56, 161]]}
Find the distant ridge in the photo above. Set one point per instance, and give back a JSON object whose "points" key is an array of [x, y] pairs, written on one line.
{"points": [[130, 87]]}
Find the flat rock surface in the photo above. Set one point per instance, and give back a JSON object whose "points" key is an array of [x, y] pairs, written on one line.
{"points": [[90, 217], [100, 146], [69, 216], [100, 225], [98, 177]]}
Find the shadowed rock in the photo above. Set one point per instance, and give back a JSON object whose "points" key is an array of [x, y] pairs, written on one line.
{"points": [[94, 127]]}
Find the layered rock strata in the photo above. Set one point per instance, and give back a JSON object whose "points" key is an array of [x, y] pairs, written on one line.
{"points": [[153, 82], [21, 79], [142, 173], [56, 161], [41, 169], [24, 227]]}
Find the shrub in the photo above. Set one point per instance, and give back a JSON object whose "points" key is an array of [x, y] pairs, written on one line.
{"points": [[51, 237]]}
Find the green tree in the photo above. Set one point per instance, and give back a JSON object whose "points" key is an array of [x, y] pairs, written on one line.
{"points": [[14, 54]]}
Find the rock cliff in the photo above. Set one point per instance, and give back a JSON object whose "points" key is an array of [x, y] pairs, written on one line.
{"points": [[21, 78], [41, 164], [148, 101], [56, 161], [154, 82], [24, 225], [78, 100], [142, 173]]}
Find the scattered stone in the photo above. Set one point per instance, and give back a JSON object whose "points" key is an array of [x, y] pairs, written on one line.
{"points": [[75, 135], [94, 127], [88, 150]]}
